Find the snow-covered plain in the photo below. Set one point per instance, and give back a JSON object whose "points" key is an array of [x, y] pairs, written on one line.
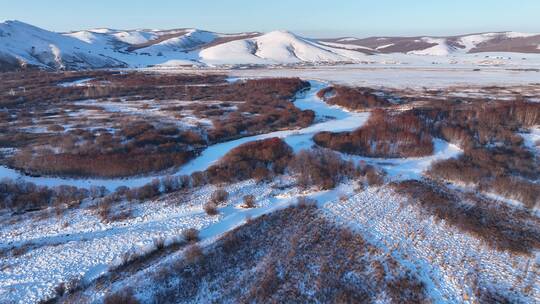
{"points": [[444, 255], [78, 245], [402, 76], [85, 247]]}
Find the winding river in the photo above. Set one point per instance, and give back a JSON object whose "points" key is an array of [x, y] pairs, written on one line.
{"points": [[297, 139]]}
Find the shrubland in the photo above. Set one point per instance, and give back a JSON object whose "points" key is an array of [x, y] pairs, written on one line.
{"points": [[353, 98], [385, 134], [275, 259], [122, 144]]}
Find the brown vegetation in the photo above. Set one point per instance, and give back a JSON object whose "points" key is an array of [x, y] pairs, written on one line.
{"points": [[20, 196], [500, 226], [385, 134], [321, 168], [270, 99], [273, 259], [249, 201], [259, 160], [352, 98], [210, 208], [191, 235], [373, 176], [494, 157], [124, 296], [127, 146], [219, 196], [140, 149]]}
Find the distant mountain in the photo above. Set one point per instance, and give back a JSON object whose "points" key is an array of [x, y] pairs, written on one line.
{"points": [[278, 47], [444, 46], [26, 46], [22, 44]]}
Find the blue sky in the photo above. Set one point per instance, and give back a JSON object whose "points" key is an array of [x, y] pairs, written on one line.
{"points": [[315, 18]]}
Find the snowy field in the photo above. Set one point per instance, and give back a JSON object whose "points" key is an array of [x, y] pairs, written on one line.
{"points": [[401, 76], [77, 245], [85, 248], [443, 253]]}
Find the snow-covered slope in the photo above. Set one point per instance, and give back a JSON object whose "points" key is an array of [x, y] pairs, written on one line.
{"points": [[28, 44], [448, 46], [135, 37], [117, 38], [492, 42], [441, 47], [190, 40], [273, 47], [22, 44]]}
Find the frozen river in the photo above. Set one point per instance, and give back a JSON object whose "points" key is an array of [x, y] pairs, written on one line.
{"points": [[298, 139], [342, 120]]}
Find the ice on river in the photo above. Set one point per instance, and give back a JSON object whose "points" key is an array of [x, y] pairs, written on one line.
{"points": [[341, 120]]}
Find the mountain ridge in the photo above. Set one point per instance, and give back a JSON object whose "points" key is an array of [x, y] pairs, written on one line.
{"points": [[23, 45]]}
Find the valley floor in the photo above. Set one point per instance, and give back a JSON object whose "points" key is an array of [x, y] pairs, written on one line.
{"points": [[394, 76], [75, 248]]}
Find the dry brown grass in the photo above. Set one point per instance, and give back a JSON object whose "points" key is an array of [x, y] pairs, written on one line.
{"points": [[124, 296], [499, 226], [249, 201], [274, 258], [190, 235]]}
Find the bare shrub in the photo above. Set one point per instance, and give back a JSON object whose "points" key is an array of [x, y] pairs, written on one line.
{"points": [[320, 167], [193, 254], [219, 197], [124, 296], [373, 176], [519, 189], [60, 289], [306, 202], [159, 243], [249, 201], [385, 134], [259, 159], [198, 179], [97, 192], [210, 208], [55, 128], [190, 235], [23, 196]]}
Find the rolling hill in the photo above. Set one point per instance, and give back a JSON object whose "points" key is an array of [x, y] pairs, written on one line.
{"points": [[25, 46]]}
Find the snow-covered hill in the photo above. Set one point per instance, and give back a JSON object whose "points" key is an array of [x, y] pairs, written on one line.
{"points": [[271, 48], [444, 46], [22, 44]]}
